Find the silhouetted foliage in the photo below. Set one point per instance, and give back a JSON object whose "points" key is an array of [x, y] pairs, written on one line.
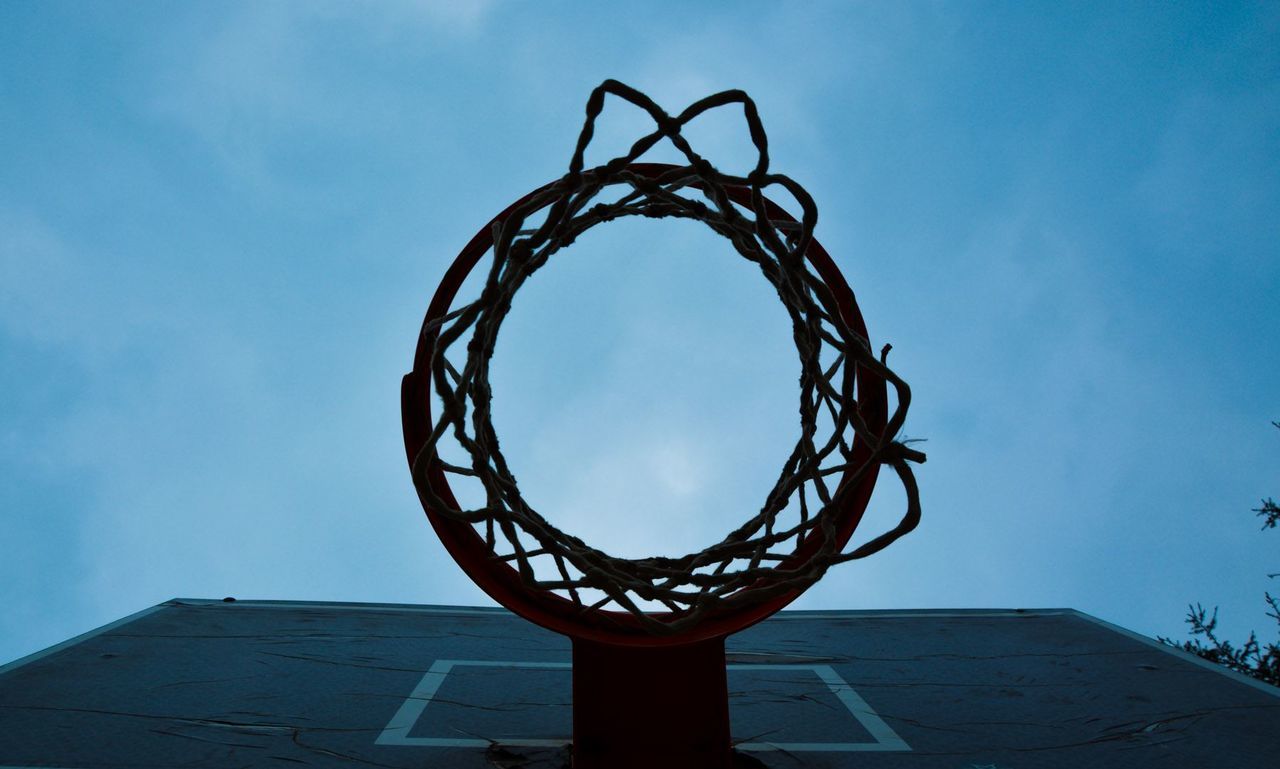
{"points": [[1251, 657]]}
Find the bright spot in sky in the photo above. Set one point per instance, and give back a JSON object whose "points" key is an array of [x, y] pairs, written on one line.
{"points": [[644, 388]]}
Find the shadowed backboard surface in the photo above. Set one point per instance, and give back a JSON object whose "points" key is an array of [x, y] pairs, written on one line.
{"points": [[263, 683]]}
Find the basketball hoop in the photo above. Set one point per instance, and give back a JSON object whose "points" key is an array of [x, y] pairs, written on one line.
{"points": [[649, 686]]}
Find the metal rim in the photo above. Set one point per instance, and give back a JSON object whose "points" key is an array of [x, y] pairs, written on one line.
{"points": [[502, 582]]}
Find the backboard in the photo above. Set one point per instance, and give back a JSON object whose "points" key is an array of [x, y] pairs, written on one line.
{"points": [[211, 683]]}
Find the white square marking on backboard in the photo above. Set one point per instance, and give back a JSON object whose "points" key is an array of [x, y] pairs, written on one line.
{"points": [[398, 728]]}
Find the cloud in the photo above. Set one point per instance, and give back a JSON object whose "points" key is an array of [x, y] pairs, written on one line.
{"points": [[1215, 147], [461, 18], [215, 251], [283, 95], [644, 388], [37, 282]]}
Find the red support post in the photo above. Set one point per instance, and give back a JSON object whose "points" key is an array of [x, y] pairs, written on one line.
{"points": [[640, 707]]}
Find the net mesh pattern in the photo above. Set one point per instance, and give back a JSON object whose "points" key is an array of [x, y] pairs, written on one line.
{"points": [[757, 560]]}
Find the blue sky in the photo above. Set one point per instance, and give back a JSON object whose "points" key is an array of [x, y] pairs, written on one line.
{"points": [[220, 225]]}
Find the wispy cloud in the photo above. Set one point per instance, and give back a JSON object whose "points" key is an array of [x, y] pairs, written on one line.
{"points": [[215, 252]]}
